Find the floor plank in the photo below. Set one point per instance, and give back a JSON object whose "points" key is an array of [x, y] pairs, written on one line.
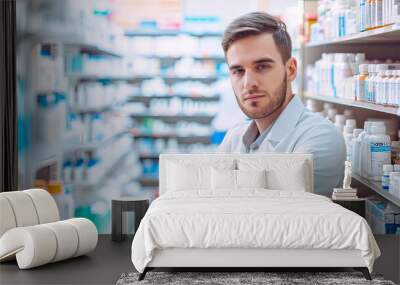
{"points": [[102, 266]]}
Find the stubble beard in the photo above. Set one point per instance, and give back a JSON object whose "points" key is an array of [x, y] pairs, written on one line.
{"points": [[273, 105]]}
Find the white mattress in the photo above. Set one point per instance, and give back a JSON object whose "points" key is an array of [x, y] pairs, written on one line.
{"points": [[252, 219]]}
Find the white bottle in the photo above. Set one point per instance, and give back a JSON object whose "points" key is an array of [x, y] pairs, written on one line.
{"points": [[397, 87], [327, 106], [379, 13], [367, 14], [379, 87], [379, 150], [67, 171], [362, 149], [392, 88], [375, 78], [339, 121], [349, 114], [331, 114], [360, 82], [373, 13], [386, 88], [351, 123], [393, 185], [369, 82], [355, 148], [387, 168]]}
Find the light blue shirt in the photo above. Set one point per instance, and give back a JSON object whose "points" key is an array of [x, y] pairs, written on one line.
{"points": [[297, 129]]}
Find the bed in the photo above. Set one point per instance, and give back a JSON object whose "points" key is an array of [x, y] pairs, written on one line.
{"points": [[247, 210]]}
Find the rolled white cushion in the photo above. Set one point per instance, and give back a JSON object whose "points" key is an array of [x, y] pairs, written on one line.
{"points": [[45, 205], [23, 208], [33, 246], [37, 245], [67, 240], [7, 218], [87, 235]]}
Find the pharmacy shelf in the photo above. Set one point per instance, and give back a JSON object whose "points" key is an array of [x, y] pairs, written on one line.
{"points": [[178, 57], [204, 119], [353, 103], [104, 176], [147, 99], [180, 138], [129, 77], [96, 144], [377, 187], [164, 33], [149, 156], [98, 109], [205, 79], [148, 180], [388, 34], [68, 36], [96, 77]]}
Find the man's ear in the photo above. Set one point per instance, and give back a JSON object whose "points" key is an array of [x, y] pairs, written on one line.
{"points": [[291, 69]]}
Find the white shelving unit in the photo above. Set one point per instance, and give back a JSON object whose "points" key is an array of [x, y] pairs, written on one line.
{"points": [[46, 34], [151, 180], [380, 43], [385, 35], [372, 43], [352, 103]]}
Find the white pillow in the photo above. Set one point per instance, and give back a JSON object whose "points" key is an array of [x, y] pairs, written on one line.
{"points": [[189, 174], [182, 177], [251, 178], [228, 179], [223, 179], [282, 173]]}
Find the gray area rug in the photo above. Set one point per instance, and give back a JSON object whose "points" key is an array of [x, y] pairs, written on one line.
{"points": [[228, 278]]}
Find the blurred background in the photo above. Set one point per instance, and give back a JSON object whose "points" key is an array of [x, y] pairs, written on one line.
{"points": [[105, 86]]}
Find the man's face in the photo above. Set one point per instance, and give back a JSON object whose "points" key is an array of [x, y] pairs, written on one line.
{"points": [[258, 75]]}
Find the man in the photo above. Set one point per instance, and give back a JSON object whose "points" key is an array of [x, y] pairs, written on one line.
{"points": [[257, 49]]}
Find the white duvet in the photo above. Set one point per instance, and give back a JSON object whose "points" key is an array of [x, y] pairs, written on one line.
{"points": [[253, 218]]}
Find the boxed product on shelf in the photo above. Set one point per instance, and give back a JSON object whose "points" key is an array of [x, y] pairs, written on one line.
{"points": [[47, 68], [341, 18], [97, 95], [175, 46], [350, 76], [382, 216], [50, 117]]}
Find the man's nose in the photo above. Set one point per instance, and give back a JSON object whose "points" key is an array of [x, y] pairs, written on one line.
{"points": [[250, 81]]}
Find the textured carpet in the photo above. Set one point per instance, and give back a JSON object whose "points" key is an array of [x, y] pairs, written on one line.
{"points": [[228, 278]]}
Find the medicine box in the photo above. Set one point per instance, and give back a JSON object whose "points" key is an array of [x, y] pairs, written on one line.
{"points": [[383, 217]]}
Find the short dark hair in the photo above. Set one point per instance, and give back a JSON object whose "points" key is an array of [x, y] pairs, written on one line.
{"points": [[257, 23]]}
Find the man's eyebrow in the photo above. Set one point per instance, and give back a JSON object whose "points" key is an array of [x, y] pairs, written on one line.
{"points": [[235, 66], [264, 60], [258, 61]]}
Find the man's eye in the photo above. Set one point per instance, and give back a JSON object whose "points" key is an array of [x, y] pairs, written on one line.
{"points": [[237, 71], [261, 67]]}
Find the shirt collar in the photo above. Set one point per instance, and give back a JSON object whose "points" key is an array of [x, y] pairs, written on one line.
{"points": [[287, 120], [283, 125]]}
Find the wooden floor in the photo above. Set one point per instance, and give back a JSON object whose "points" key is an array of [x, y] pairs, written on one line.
{"points": [[110, 259], [103, 266]]}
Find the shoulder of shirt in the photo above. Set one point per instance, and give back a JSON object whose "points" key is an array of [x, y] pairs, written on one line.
{"points": [[319, 124], [239, 128]]}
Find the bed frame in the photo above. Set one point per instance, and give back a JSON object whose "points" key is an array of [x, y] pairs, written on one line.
{"points": [[242, 259]]}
